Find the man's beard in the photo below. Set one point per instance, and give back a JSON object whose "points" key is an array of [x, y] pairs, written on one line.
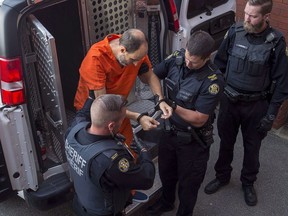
{"points": [[121, 61], [253, 28]]}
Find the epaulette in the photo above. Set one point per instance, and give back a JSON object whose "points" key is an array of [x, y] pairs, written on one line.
{"points": [[174, 54], [112, 154], [212, 77]]}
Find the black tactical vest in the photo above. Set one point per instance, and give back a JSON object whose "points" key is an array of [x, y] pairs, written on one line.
{"points": [[91, 196], [248, 65], [184, 89]]}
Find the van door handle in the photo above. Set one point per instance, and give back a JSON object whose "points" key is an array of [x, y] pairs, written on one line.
{"points": [[56, 124]]}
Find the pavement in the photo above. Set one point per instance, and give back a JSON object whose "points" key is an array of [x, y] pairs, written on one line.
{"points": [[271, 186]]}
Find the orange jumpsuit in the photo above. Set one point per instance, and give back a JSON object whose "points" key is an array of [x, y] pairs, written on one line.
{"points": [[100, 69]]}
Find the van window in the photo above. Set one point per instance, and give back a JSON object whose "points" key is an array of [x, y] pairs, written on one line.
{"points": [[197, 7]]}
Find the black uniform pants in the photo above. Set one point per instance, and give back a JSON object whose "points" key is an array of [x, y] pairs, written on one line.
{"points": [[79, 210], [247, 116], [181, 160]]}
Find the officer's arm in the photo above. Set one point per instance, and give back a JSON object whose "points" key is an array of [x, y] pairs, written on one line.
{"points": [[195, 118], [280, 76], [131, 175], [82, 115], [205, 104], [278, 90]]}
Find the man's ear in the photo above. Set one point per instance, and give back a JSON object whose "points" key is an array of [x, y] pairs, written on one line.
{"points": [[122, 49], [111, 126], [267, 16]]}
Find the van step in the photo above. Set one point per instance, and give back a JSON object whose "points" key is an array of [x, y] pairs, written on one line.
{"points": [[52, 192], [135, 208]]}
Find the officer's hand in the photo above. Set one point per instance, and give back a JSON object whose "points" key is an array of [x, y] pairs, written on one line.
{"points": [[265, 124], [138, 145], [166, 109], [148, 122]]}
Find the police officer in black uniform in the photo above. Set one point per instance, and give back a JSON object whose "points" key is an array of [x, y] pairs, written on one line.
{"points": [[102, 167], [252, 56], [193, 86]]}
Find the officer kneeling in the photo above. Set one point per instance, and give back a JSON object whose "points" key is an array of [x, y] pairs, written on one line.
{"points": [[102, 167], [193, 85]]}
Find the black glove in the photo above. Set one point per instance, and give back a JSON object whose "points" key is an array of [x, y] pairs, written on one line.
{"points": [[138, 145], [266, 124]]}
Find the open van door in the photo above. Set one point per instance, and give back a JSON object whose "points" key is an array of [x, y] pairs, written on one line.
{"points": [[212, 16]]}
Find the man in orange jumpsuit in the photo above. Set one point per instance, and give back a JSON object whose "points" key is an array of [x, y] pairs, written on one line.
{"points": [[112, 66]]}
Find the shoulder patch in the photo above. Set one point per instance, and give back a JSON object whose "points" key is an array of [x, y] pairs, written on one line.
{"points": [[123, 165], [214, 89], [212, 77]]}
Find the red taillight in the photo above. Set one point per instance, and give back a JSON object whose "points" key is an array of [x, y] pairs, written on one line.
{"points": [[176, 25], [12, 89]]}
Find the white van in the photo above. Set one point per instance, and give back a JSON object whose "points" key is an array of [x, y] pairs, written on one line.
{"points": [[42, 44]]}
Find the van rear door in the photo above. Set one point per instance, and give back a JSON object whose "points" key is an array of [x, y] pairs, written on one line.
{"points": [[50, 89]]}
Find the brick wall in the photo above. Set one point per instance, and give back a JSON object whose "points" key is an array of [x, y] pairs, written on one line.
{"points": [[278, 20]]}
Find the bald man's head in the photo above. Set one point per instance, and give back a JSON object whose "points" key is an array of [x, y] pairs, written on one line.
{"points": [[133, 39]]}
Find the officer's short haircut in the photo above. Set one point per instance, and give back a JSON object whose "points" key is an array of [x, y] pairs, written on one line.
{"points": [[107, 108], [266, 5], [200, 44], [132, 39]]}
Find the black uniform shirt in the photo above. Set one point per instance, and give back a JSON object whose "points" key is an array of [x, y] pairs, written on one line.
{"points": [[279, 63], [137, 176], [203, 99]]}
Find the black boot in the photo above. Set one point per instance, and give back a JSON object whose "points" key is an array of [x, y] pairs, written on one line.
{"points": [[250, 195], [214, 186], [158, 209]]}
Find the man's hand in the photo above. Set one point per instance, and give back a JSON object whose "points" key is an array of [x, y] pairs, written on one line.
{"points": [[148, 122], [166, 109], [265, 124]]}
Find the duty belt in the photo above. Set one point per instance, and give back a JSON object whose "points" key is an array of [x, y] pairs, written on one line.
{"points": [[235, 96], [187, 133]]}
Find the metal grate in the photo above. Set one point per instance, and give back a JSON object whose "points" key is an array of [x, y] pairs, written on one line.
{"points": [[107, 16], [50, 87], [154, 28], [30, 78]]}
